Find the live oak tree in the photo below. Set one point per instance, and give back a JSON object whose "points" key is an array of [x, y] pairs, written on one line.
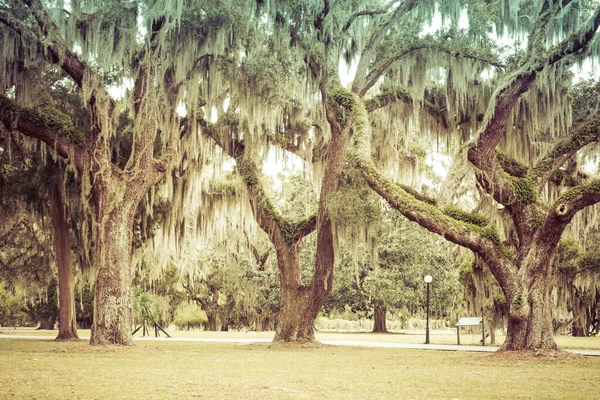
{"points": [[317, 35], [147, 50], [516, 109]]}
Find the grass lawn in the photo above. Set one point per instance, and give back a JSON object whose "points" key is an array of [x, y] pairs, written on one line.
{"points": [[437, 337], [43, 369]]}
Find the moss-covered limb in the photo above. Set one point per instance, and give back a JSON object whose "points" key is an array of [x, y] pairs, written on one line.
{"points": [[417, 195], [362, 13], [510, 165], [393, 95], [468, 217], [482, 153], [269, 219], [366, 75], [483, 241], [294, 231], [57, 51], [576, 41], [68, 142], [576, 199], [580, 136]]}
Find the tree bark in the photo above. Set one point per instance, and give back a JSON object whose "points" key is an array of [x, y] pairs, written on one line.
{"points": [[529, 307], [379, 319], [293, 295], [113, 318], [265, 324], [67, 325]]}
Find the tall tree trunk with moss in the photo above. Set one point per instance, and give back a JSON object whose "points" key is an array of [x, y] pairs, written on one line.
{"points": [[67, 324], [113, 318]]}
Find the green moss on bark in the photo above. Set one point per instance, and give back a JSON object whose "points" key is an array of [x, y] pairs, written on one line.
{"points": [[58, 122], [468, 217]]}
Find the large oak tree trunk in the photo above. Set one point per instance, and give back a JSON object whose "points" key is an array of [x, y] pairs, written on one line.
{"points": [[293, 295], [312, 298], [67, 325], [530, 312], [112, 259], [379, 316]]}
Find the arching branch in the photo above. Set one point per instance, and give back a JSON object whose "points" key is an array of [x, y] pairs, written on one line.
{"points": [[279, 229], [67, 142], [390, 96], [482, 241], [362, 13], [583, 134]]}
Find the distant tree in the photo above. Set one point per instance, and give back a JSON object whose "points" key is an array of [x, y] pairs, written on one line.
{"points": [[44, 310]]}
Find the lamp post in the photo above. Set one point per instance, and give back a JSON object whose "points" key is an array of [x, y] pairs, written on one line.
{"points": [[427, 280]]}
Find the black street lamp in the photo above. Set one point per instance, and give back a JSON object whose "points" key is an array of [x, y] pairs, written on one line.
{"points": [[427, 280]]}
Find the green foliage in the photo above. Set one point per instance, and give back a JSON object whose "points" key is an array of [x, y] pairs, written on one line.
{"points": [[268, 73], [189, 316], [343, 97], [13, 306], [406, 253], [45, 308], [354, 203], [523, 187], [518, 301], [84, 298], [510, 164], [468, 217], [569, 255], [491, 234]]}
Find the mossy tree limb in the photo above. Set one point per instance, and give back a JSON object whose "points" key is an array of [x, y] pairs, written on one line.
{"points": [[390, 96], [585, 133], [278, 228], [424, 213]]}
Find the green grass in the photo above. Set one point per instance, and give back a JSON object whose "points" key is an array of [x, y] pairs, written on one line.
{"points": [[172, 370], [437, 337]]}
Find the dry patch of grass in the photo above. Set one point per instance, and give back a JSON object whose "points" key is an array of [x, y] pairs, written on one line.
{"points": [[174, 370]]}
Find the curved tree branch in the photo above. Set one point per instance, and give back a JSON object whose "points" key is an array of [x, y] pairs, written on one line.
{"points": [[583, 134], [68, 143], [279, 229], [480, 240], [390, 96]]}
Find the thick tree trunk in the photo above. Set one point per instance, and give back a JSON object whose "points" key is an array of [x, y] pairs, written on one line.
{"points": [[294, 296], [112, 257], [67, 325], [379, 316], [310, 299], [530, 318]]}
